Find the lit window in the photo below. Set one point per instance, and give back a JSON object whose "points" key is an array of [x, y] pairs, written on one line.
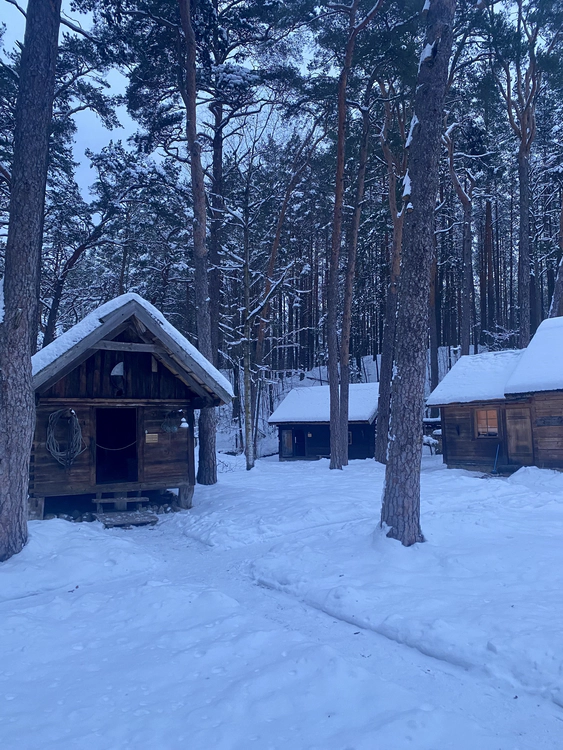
{"points": [[487, 422]]}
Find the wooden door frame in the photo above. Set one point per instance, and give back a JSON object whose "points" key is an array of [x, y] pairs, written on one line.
{"points": [[507, 411]]}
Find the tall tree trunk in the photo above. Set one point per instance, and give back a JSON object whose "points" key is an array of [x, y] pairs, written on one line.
{"points": [[556, 308], [349, 287], [488, 248], [215, 230], [434, 370], [249, 386], [400, 512], [54, 311], [207, 465], [332, 296], [388, 345], [467, 280], [466, 199], [396, 168], [524, 249], [483, 339], [21, 276]]}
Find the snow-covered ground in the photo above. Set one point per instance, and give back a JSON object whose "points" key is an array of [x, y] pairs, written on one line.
{"points": [[275, 616]]}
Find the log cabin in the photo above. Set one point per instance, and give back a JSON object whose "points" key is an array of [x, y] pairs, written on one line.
{"points": [[303, 420], [504, 410], [115, 400]]}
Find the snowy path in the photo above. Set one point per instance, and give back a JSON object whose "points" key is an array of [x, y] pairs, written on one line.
{"points": [[230, 627]]}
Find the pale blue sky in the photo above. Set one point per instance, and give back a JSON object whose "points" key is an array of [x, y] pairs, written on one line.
{"points": [[91, 133]]}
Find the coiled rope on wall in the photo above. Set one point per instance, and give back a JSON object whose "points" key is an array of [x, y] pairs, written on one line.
{"points": [[75, 444]]}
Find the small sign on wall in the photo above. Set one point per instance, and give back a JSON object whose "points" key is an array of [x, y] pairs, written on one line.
{"points": [[549, 422], [151, 437]]}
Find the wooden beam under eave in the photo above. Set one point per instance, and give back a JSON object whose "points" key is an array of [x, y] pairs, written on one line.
{"points": [[182, 375], [127, 346]]}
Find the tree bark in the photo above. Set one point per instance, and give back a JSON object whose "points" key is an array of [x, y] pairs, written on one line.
{"points": [[349, 286], [215, 229], [524, 249], [21, 277], [207, 464], [400, 512], [388, 345], [332, 296], [466, 199], [556, 307], [396, 168], [434, 370], [54, 311], [249, 386], [488, 249]]}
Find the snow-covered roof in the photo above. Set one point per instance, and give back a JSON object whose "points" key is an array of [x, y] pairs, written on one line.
{"points": [[304, 405], [541, 366], [68, 348], [476, 377]]}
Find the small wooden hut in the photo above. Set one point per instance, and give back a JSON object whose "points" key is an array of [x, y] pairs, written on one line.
{"points": [[115, 399], [503, 410], [303, 420]]}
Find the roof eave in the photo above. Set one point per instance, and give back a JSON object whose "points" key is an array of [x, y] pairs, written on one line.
{"points": [[71, 358]]}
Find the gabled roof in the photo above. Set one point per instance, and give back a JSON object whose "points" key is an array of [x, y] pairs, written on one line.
{"points": [[494, 375], [165, 342], [476, 377], [310, 405], [541, 366]]}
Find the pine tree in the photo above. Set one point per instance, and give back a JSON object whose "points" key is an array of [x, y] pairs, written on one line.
{"points": [[32, 125], [401, 496]]}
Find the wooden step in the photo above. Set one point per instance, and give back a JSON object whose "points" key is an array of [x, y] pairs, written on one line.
{"points": [[119, 503], [126, 519]]}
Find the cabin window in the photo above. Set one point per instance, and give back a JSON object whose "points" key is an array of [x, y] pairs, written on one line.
{"points": [[486, 422], [117, 379]]}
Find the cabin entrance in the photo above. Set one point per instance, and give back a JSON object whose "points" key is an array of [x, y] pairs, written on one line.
{"points": [[519, 434], [299, 443], [293, 443], [116, 446]]}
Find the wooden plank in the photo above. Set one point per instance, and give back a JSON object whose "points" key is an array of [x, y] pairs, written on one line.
{"points": [[126, 346], [188, 364], [519, 436], [127, 519], [81, 351], [36, 508], [185, 376], [191, 447]]}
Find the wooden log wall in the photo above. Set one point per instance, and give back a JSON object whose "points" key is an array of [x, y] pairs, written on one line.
{"points": [[167, 461], [144, 378], [530, 433]]}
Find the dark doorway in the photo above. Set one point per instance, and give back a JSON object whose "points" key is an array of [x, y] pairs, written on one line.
{"points": [[299, 443], [116, 445]]}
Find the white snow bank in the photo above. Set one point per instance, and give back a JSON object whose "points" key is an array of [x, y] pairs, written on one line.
{"points": [[541, 366], [163, 661], [145, 639], [482, 593], [476, 377], [62, 555], [94, 320], [312, 404]]}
